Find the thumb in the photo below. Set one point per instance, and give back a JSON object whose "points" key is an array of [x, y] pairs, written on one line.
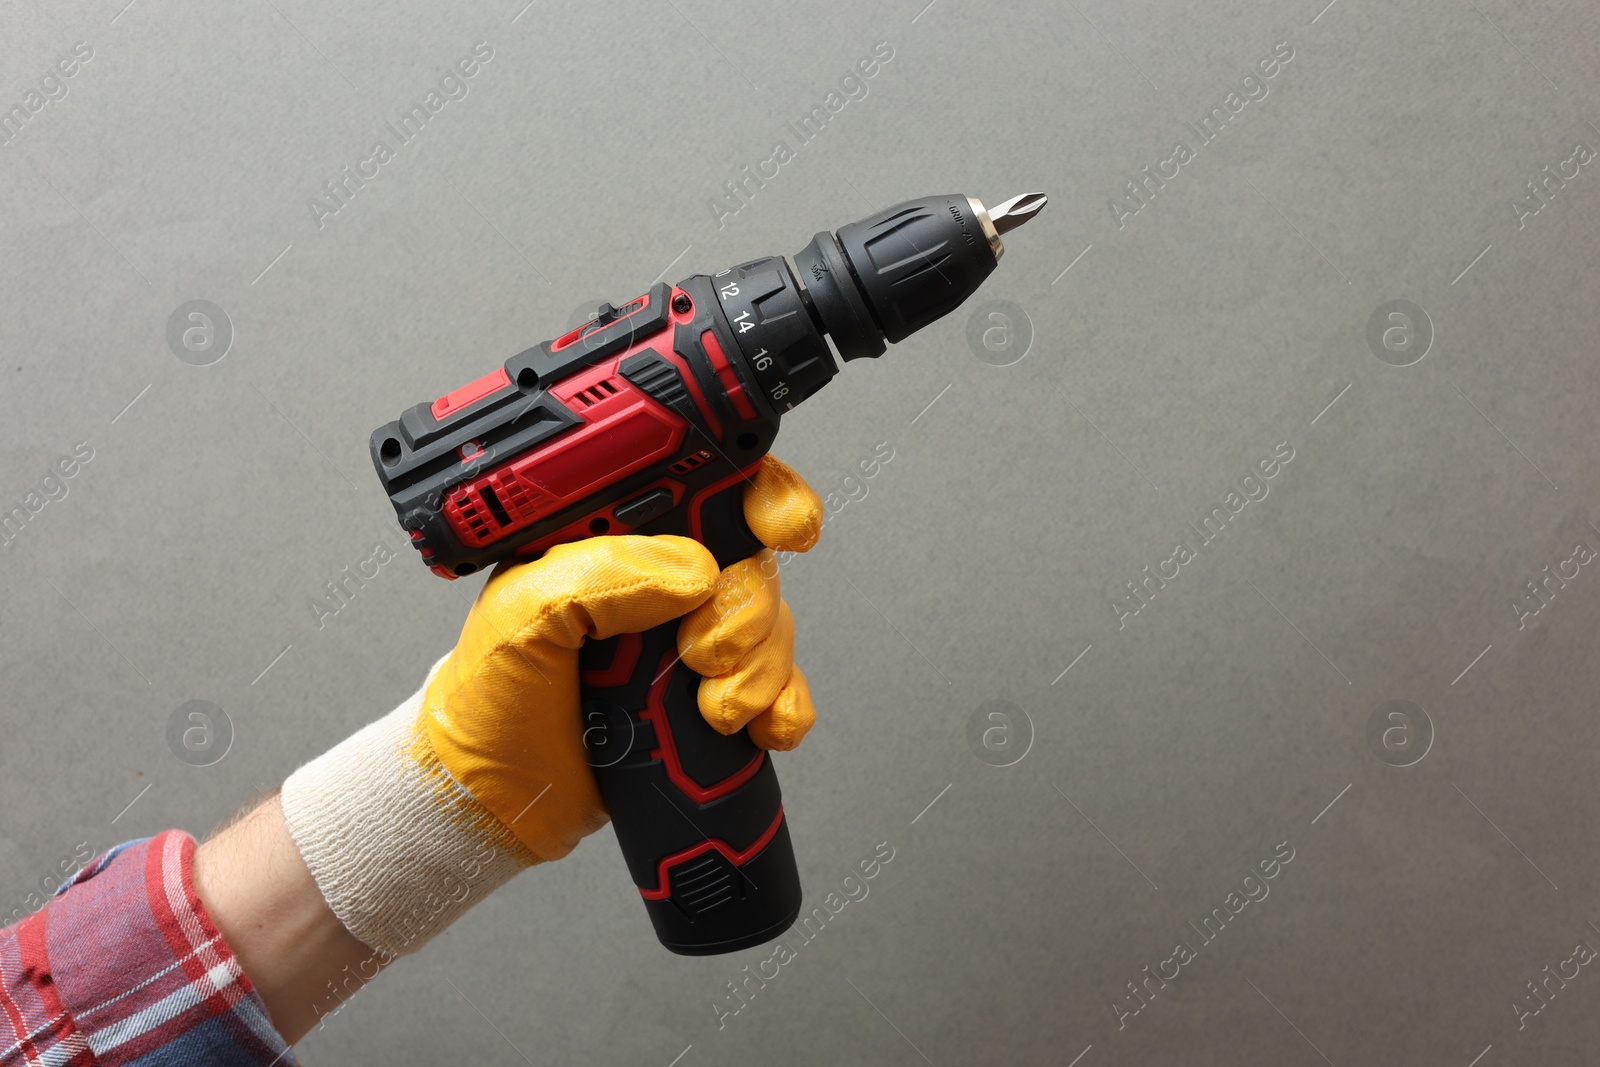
{"points": [[598, 588]]}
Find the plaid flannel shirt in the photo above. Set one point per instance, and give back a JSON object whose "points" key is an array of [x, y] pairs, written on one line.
{"points": [[124, 966]]}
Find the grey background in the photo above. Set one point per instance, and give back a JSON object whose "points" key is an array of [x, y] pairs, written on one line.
{"points": [[1224, 318]]}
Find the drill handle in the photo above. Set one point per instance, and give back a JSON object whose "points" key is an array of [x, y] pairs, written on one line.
{"points": [[698, 814]]}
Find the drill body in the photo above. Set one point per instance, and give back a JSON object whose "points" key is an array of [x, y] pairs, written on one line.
{"points": [[648, 419], [632, 418]]}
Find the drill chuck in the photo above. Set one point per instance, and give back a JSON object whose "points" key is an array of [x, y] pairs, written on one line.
{"points": [[874, 283], [907, 266]]}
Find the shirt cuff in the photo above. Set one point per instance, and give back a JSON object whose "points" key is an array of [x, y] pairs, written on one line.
{"points": [[126, 965]]}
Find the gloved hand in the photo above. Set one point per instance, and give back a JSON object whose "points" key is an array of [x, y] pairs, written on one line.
{"points": [[501, 712], [482, 772]]}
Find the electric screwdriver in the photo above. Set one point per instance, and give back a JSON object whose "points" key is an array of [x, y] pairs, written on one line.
{"points": [[648, 419]]}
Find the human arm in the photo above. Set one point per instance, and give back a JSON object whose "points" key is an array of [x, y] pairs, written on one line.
{"points": [[483, 772], [220, 954], [259, 892]]}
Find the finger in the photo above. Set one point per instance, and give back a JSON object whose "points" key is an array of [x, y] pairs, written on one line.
{"points": [[597, 588], [783, 511], [782, 726], [715, 636], [728, 701]]}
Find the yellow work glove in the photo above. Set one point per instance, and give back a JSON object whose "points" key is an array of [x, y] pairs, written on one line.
{"points": [[483, 772]]}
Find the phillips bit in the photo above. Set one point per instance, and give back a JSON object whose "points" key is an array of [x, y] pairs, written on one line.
{"points": [[1006, 216], [1014, 212]]}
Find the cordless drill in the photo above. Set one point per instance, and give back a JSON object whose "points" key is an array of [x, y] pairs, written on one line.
{"points": [[649, 418]]}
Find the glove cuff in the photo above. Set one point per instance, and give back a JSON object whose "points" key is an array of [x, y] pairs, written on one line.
{"points": [[399, 849]]}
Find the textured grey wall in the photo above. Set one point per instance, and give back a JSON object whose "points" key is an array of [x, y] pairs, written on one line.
{"points": [[1176, 342]]}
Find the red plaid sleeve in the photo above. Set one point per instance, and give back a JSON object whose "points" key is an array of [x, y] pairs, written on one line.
{"points": [[124, 966]]}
